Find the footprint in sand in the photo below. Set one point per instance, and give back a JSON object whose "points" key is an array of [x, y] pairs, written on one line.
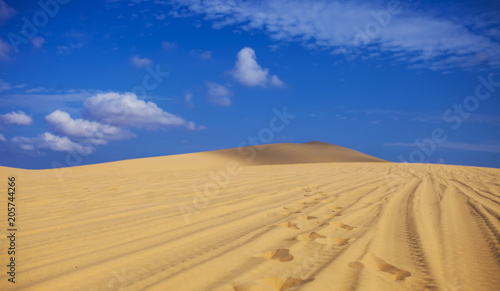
{"points": [[280, 255], [310, 236], [389, 272], [342, 225]]}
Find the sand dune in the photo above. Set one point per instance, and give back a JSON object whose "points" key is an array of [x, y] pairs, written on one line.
{"points": [[273, 224], [288, 153]]}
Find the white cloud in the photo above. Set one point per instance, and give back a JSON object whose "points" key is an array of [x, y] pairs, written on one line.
{"points": [[250, 73], [60, 122], [5, 50], [18, 118], [51, 142], [37, 41], [141, 62], [415, 37], [6, 12], [218, 94], [166, 45], [2, 138], [127, 110]]}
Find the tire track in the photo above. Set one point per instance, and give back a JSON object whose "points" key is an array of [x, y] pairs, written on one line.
{"points": [[488, 230], [415, 244]]}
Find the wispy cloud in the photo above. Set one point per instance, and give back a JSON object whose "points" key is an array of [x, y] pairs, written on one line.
{"points": [[35, 90], [48, 100], [6, 86], [73, 40], [416, 37]]}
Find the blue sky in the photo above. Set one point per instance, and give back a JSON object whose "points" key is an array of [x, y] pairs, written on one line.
{"points": [[85, 82]]}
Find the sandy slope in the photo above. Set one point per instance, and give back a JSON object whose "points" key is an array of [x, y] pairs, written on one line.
{"points": [[145, 224]]}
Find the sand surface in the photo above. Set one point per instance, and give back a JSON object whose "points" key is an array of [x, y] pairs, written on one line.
{"points": [[149, 225]]}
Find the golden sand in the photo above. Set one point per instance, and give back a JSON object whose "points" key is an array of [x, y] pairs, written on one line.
{"points": [[222, 221]]}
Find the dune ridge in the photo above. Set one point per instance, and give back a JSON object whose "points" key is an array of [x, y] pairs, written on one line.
{"points": [[289, 226]]}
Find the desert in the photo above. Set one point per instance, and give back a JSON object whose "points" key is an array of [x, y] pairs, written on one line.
{"points": [[316, 217]]}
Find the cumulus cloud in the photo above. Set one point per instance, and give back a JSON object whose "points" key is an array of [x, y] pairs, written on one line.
{"points": [[356, 27], [6, 12], [51, 142], [250, 73], [60, 122], [18, 118], [141, 62], [126, 110], [2, 138], [218, 94]]}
